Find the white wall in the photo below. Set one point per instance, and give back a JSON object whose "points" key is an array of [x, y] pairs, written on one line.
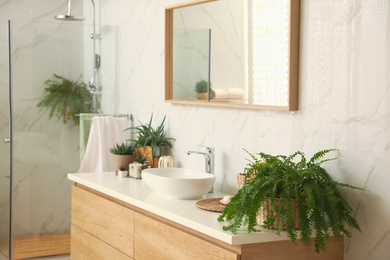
{"points": [[344, 103]]}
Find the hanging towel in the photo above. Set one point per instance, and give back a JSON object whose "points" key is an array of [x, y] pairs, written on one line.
{"points": [[85, 127], [105, 133]]}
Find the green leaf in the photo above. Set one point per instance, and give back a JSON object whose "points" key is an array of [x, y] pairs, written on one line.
{"points": [[149, 136], [299, 183], [63, 94]]}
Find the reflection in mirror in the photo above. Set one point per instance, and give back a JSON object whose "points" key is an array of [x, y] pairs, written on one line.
{"points": [[191, 47], [235, 53]]}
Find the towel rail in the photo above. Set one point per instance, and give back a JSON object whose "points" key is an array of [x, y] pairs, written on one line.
{"points": [[128, 116]]}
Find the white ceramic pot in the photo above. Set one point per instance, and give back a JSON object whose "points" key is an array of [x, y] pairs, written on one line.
{"points": [[135, 170]]}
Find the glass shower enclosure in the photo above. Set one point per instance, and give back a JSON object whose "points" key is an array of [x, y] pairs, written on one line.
{"points": [[38, 152]]}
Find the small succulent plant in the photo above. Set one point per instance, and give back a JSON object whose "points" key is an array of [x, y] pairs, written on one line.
{"points": [[122, 168], [122, 149]]}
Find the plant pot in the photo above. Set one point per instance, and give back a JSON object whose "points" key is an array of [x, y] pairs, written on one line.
{"points": [[146, 151], [265, 212], [122, 161], [203, 96], [135, 170], [122, 174], [155, 162], [67, 115], [241, 179], [265, 209]]}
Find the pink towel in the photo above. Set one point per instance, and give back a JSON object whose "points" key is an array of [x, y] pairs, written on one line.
{"points": [[106, 131]]}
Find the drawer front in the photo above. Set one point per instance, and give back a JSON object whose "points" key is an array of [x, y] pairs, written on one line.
{"points": [[156, 240], [104, 219], [85, 246]]}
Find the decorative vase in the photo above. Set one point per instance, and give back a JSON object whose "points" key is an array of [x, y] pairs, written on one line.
{"points": [[165, 162], [122, 161]]}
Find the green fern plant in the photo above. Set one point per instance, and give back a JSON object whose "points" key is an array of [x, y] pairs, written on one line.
{"points": [[122, 149], [321, 208], [65, 98], [149, 136]]}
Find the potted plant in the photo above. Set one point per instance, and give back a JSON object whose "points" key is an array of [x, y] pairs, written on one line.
{"points": [[150, 141], [122, 172], [201, 90], [299, 191], [123, 155], [140, 163], [65, 98]]}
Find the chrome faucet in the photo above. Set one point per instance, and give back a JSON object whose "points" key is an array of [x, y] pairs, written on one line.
{"points": [[209, 159]]}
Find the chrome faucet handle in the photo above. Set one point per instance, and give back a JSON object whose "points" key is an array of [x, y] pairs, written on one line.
{"points": [[209, 149]]}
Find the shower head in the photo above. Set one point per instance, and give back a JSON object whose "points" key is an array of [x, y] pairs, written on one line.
{"points": [[69, 16]]}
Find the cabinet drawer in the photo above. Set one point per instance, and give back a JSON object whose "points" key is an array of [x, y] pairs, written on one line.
{"points": [[156, 240], [104, 219], [85, 246]]}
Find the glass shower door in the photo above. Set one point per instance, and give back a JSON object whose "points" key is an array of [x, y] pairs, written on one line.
{"points": [[5, 180], [44, 150]]}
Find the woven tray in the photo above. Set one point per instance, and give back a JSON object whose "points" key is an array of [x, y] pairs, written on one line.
{"points": [[211, 205]]}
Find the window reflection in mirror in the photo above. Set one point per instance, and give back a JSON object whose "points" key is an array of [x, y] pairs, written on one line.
{"points": [[245, 51]]}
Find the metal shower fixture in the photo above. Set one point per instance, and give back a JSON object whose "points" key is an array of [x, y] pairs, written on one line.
{"points": [[94, 85], [69, 16]]}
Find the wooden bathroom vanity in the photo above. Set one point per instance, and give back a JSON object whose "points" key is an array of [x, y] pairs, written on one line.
{"points": [[121, 218]]}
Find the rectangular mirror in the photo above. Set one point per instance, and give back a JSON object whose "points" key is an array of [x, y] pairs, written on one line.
{"points": [[233, 53]]}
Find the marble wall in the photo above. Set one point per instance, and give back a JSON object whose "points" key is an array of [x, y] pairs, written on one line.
{"points": [[344, 97]]}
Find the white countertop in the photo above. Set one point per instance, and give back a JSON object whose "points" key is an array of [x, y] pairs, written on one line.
{"points": [[184, 212]]}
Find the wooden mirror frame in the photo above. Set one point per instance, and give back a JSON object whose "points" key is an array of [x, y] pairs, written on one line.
{"points": [[293, 63]]}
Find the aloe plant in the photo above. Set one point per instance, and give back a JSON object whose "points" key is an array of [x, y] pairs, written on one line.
{"points": [[321, 208], [149, 136], [65, 98], [141, 158], [122, 149]]}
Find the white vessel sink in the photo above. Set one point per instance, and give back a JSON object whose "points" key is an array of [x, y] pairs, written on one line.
{"points": [[178, 183]]}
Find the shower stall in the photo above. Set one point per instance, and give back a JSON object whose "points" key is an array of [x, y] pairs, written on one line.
{"points": [[38, 152]]}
